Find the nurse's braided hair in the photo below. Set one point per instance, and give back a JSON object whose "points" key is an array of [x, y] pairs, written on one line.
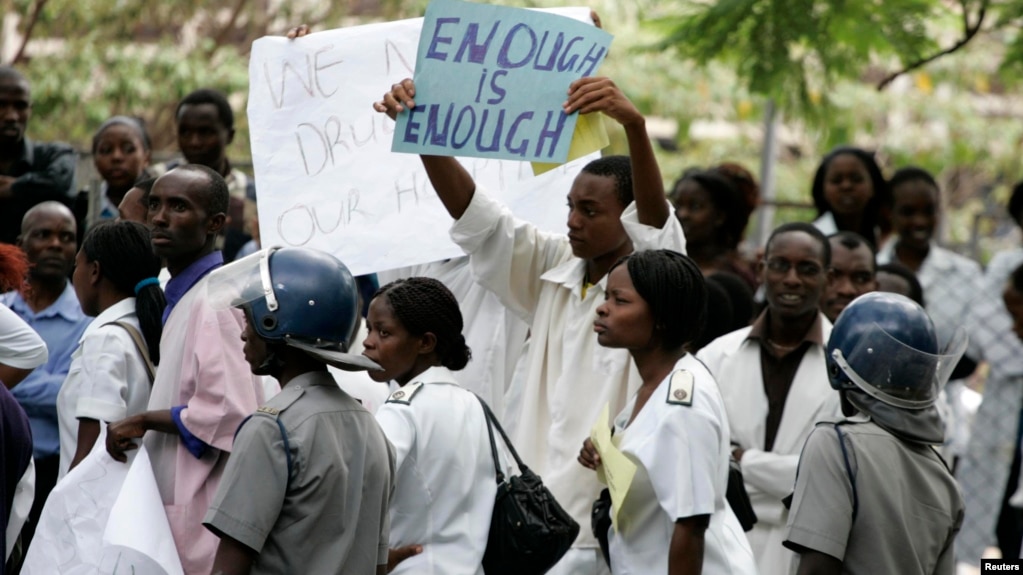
{"points": [[425, 305], [674, 288], [126, 258]]}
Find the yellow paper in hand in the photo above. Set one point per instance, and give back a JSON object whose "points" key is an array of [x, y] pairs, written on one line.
{"points": [[616, 470], [590, 135]]}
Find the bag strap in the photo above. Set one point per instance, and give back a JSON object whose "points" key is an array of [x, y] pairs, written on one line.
{"points": [[492, 422], [493, 444], [140, 346]]}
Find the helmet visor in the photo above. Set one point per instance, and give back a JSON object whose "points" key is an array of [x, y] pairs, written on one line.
{"points": [[898, 374], [340, 359], [242, 281]]}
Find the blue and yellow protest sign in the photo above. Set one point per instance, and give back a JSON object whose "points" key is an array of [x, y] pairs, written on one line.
{"points": [[490, 82]]}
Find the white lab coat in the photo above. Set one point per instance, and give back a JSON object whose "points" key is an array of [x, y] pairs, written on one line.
{"points": [[568, 376], [770, 476]]}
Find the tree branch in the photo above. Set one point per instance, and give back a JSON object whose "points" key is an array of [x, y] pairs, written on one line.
{"points": [[969, 32], [222, 35], [37, 10], [257, 28]]}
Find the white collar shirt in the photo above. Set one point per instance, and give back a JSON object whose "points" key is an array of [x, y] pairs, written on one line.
{"points": [[20, 345], [107, 380], [445, 481], [682, 454], [826, 223]]}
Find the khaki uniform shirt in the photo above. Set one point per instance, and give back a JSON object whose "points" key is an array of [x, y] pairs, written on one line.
{"points": [[330, 515], [909, 510]]}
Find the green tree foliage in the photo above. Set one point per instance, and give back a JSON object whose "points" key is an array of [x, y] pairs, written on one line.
{"points": [[795, 51], [91, 59]]}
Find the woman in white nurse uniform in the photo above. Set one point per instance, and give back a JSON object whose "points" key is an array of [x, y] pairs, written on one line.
{"points": [[445, 481], [674, 519]]}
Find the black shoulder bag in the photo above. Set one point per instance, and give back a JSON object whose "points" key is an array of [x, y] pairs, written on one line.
{"points": [[529, 530]]}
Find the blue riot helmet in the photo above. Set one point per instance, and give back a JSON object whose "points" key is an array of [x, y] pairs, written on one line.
{"points": [[885, 344], [300, 297]]}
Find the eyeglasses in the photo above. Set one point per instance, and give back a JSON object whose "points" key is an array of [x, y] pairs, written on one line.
{"points": [[858, 278], [803, 269]]}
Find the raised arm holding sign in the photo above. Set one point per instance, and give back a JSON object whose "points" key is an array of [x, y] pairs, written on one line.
{"points": [[455, 186]]}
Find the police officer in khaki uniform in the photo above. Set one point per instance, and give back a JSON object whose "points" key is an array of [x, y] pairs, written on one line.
{"points": [[308, 485], [872, 495]]}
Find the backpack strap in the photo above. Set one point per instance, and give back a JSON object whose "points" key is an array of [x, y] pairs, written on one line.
{"points": [[284, 434], [140, 346], [937, 452], [287, 445]]}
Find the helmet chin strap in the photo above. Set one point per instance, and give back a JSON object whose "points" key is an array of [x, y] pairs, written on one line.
{"points": [[272, 364]]}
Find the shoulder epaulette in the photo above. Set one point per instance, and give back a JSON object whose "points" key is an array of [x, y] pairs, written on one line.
{"points": [[281, 401], [405, 394], [680, 388]]}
